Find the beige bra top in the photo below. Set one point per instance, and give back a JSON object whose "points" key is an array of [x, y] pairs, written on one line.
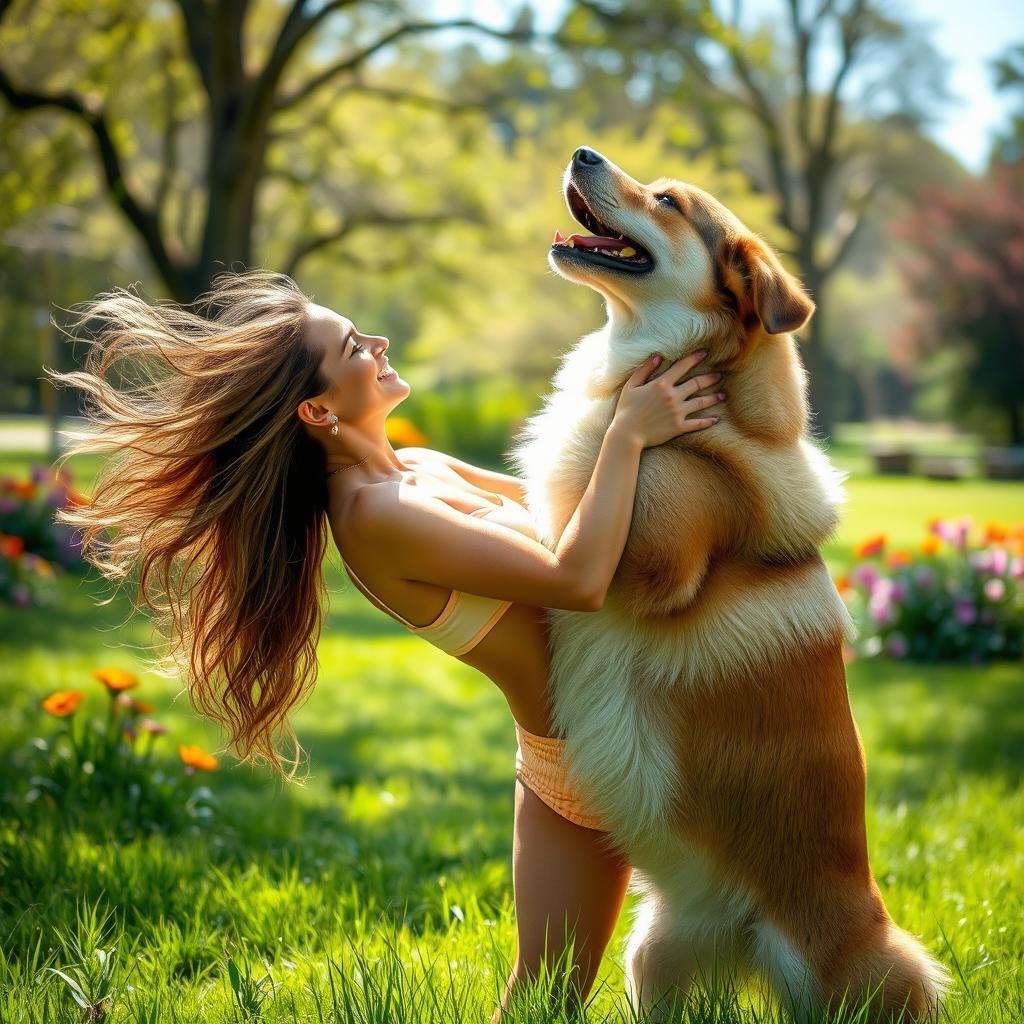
{"points": [[467, 618]]}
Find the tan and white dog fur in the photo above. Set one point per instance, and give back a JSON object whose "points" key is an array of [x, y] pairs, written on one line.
{"points": [[704, 707]]}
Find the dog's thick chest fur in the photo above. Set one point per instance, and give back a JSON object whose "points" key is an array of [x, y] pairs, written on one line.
{"points": [[721, 574]]}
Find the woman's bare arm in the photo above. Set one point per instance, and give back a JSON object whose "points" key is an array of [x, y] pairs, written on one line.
{"points": [[425, 540], [490, 480]]}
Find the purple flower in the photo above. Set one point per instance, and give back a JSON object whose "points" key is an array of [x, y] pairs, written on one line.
{"points": [[8, 506], [965, 613], [896, 646], [995, 589], [21, 596], [923, 576], [57, 498], [898, 592], [38, 472]]}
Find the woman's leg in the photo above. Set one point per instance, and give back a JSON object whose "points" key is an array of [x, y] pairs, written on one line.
{"points": [[565, 879]]}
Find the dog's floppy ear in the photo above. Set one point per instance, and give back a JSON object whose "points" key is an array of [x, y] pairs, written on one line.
{"points": [[763, 288]]}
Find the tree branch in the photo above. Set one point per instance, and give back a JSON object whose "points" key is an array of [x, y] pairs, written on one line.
{"points": [[369, 218], [857, 216], [353, 60], [142, 217]]}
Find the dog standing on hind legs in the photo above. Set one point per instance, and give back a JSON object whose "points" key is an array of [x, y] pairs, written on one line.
{"points": [[704, 707]]}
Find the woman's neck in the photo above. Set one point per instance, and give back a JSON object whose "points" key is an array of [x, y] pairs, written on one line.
{"points": [[367, 452]]}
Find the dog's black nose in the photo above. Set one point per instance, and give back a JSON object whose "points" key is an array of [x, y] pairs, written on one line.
{"points": [[583, 155]]}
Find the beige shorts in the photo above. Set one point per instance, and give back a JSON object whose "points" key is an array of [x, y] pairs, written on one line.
{"points": [[539, 767]]}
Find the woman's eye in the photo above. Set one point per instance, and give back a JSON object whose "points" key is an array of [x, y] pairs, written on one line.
{"points": [[668, 200], [356, 347]]}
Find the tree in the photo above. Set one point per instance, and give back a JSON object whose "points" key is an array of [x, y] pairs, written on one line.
{"points": [[250, 96], [966, 273], [785, 100]]}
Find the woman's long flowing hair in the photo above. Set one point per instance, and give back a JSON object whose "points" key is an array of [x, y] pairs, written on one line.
{"points": [[214, 492]]}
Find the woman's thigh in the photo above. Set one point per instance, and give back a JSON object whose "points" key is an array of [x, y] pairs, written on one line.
{"points": [[565, 879]]}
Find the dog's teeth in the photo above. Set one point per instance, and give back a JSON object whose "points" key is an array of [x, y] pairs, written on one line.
{"points": [[628, 251]]}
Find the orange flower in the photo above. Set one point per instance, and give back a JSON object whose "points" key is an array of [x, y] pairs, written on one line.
{"points": [[898, 558], [402, 432], [994, 533], [23, 488], [871, 546], [843, 584], [930, 545], [63, 702], [116, 679], [194, 757], [43, 567], [11, 546]]}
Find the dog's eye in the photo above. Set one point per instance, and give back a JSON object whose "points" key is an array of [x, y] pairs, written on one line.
{"points": [[667, 199]]}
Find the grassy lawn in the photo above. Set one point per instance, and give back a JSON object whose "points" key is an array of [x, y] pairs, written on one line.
{"points": [[380, 890]]}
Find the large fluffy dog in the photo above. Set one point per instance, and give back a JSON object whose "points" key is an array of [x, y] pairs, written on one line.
{"points": [[705, 706]]}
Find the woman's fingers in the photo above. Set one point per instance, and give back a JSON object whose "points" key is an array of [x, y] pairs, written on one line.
{"points": [[681, 367], [692, 405], [695, 384], [643, 372], [689, 426]]}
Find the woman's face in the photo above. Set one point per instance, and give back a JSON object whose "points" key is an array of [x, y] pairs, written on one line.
{"points": [[363, 385]]}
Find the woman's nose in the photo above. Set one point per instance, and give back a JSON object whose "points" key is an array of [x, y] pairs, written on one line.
{"points": [[381, 344]]}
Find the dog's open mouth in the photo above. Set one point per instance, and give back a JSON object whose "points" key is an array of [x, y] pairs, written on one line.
{"points": [[605, 247]]}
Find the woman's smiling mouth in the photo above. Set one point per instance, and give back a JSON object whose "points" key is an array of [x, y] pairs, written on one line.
{"points": [[387, 373]]}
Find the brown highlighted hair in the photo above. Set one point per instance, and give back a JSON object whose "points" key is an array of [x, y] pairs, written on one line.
{"points": [[214, 493]]}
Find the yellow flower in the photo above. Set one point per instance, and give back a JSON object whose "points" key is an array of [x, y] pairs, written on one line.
{"points": [[402, 432], [63, 702], [116, 679], [194, 757], [930, 545]]}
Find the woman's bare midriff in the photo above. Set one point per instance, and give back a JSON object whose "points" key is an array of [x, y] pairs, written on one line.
{"points": [[513, 655]]}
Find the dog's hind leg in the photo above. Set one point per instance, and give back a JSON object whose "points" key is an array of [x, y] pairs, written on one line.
{"points": [[665, 957]]}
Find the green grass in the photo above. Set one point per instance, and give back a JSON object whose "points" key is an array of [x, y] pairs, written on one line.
{"points": [[380, 890]]}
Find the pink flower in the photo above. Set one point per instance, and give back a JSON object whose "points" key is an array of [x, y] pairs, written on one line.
{"points": [[965, 613], [1017, 568], [995, 589], [866, 575], [896, 646], [881, 610], [1000, 561]]}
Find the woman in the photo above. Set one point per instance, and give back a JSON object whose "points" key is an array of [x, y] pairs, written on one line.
{"points": [[258, 426]]}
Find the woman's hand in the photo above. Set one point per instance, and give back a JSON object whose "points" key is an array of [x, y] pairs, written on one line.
{"points": [[655, 411]]}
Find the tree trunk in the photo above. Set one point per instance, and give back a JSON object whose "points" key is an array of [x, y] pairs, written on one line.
{"points": [[812, 349]]}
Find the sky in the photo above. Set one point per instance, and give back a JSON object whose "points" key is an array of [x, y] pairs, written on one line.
{"points": [[969, 33]]}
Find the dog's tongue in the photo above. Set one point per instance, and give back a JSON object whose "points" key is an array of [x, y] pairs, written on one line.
{"points": [[588, 241]]}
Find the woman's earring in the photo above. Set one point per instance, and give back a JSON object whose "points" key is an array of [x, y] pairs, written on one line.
{"points": [[334, 424]]}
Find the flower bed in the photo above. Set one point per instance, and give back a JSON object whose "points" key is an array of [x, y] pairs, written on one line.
{"points": [[960, 597], [33, 548], [108, 764]]}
